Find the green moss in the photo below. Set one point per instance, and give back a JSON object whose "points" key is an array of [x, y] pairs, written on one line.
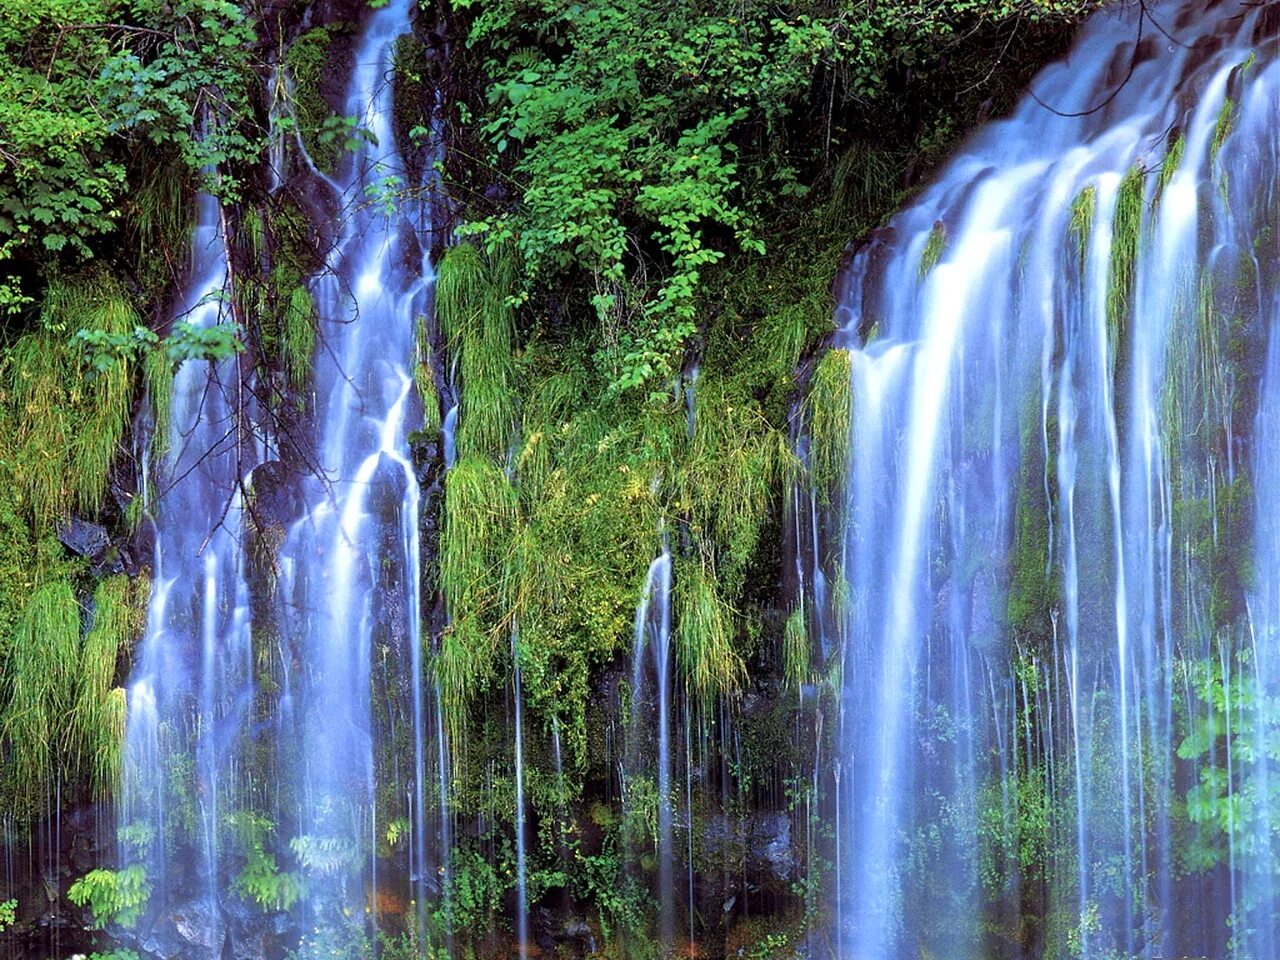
{"points": [[162, 221], [476, 319], [1222, 127], [1080, 227], [158, 373], [933, 248], [307, 59], [829, 408], [1126, 236], [479, 511], [1172, 160], [97, 719]]}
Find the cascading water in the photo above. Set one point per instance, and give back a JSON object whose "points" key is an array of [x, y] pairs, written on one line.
{"points": [[311, 725], [190, 695], [1056, 669], [651, 716]]}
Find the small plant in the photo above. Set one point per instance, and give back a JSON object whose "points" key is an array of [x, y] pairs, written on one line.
{"points": [[114, 896], [8, 913]]}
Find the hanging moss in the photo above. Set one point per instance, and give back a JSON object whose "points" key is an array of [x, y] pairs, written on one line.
{"points": [[475, 316], [829, 408], [98, 716], [795, 649], [1222, 127], [1126, 231], [479, 511], [1080, 226], [162, 220], [42, 675], [1172, 160], [704, 633], [933, 248], [298, 334]]}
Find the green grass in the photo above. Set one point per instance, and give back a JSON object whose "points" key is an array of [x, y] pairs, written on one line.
{"points": [[829, 411], [298, 334], [68, 421], [795, 649], [704, 633]]}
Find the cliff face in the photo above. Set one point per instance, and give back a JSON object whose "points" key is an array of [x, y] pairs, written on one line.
{"points": [[622, 404]]}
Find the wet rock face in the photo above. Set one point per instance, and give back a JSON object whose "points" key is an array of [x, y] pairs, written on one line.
{"points": [[84, 538], [193, 930]]}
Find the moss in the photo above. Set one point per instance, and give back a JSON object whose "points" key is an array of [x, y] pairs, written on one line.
{"points": [[1080, 226], [933, 248], [476, 319], [97, 718], [478, 517], [829, 409], [411, 98], [307, 59], [1126, 234], [158, 374], [162, 220], [1172, 160], [1222, 127]]}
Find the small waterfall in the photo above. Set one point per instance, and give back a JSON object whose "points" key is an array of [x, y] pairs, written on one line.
{"points": [[1062, 373], [300, 739], [189, 698], [651, 715], [522, 885]]}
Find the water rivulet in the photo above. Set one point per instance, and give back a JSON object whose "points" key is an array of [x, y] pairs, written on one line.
{"points": [[1056, 546]]}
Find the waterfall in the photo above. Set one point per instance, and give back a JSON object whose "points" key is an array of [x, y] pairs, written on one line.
{"points": [[649, 769], [1063, 378], [297, 736]]}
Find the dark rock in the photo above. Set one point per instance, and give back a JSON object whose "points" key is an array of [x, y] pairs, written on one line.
{"points": [[771, 844], [84, 538], [195, 930], [276, 494]]}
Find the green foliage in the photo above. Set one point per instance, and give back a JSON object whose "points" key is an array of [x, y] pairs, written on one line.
{"points": [[1240, 720], [68, 422], [478, 513], [221, 341], [114, 896], [306, 60], [475, 313], [61, 714], [261, 879], [86, 79], [8, 913], [622, 131], [646, 139], [475, 890]]}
